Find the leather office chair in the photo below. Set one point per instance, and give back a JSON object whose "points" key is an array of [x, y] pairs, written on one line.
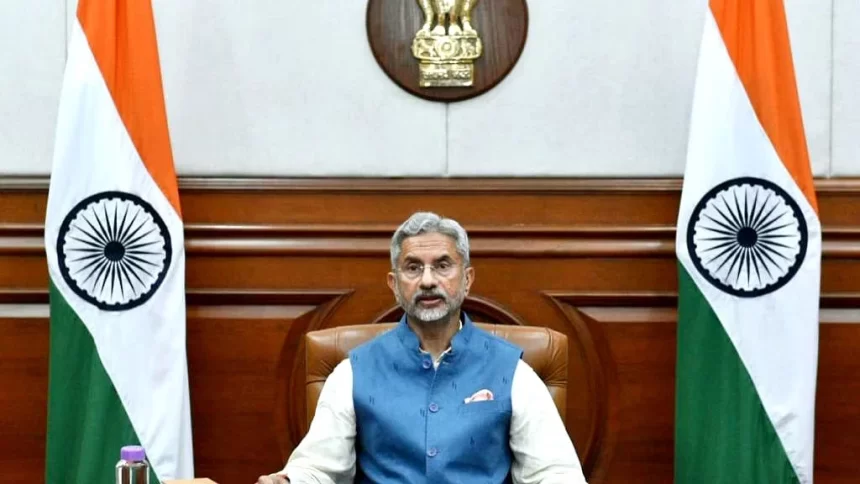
{"points": [[545, 350]]}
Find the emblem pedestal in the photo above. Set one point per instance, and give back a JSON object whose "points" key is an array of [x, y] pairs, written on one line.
{"points": [[445, 75], [446, 60]]}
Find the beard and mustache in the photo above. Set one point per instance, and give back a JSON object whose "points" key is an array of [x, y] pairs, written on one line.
{"points": [[438, 314]]}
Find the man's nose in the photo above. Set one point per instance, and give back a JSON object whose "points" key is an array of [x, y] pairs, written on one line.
{"points": [[428, 278]]}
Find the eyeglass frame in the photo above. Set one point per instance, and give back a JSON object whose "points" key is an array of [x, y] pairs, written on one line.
{"points": [[434, 269]]}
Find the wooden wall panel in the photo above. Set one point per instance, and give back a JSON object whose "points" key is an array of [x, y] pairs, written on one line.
{"points": [[23, 393], [269, 260], [838, 413], [238, 348]]}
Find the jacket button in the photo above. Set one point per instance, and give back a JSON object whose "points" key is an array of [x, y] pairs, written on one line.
{"points": [[427, 364], [434, 408], [432, 452]]}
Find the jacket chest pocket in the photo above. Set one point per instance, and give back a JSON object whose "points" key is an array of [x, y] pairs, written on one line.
{"points": [[488, 407]]}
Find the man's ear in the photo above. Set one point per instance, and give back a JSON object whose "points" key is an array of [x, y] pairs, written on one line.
{"points": [[392, 281], [470, 278]]}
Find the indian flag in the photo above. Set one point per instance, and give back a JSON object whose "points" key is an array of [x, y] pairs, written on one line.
{"points": [[115, 250], [749, 251]]}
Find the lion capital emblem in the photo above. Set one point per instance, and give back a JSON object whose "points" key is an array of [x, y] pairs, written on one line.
{"points": [[447, 44]]}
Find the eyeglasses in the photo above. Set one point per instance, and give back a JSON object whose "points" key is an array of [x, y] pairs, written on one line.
{"points": [[414, 270]]}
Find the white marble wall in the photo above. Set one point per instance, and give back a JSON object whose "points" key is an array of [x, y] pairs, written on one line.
{"points": [[289, 88], [846, 88], [32, 53]]}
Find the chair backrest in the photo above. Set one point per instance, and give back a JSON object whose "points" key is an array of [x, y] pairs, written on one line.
{"points": [[545, 350]]}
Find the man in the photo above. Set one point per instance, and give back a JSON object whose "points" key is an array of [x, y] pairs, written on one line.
{"points": [[436, 399]]}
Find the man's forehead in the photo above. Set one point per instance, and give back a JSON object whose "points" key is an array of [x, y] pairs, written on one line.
{"points": [[432, 245]]}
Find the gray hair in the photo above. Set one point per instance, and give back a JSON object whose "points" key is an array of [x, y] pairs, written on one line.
{"points": [[428, 223]]}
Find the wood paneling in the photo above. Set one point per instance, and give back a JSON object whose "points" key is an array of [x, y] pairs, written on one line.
{"points": [[24, 394], [237, 348], [269, 260]]}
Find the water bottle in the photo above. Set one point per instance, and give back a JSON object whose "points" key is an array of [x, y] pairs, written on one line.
{"points": [[132, 467]]}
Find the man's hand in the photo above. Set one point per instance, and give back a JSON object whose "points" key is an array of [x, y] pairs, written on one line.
{"points": [[272, 479]]}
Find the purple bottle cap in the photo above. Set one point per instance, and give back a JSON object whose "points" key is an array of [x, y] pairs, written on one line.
{"points": [[132, 453]]}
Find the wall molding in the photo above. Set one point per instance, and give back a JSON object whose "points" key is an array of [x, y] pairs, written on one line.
{"points": [[669, 299], [208, 297], [373, 240], [632, 230], [428, 185]]}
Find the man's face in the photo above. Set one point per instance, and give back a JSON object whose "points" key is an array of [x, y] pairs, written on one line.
{"points": [[430, 282]]}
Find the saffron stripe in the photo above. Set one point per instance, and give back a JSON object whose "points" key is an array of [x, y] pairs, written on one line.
{"points": [[121, 35], [756, 36]]}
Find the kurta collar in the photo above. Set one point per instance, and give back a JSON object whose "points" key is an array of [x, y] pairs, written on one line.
{"points": [[458, 342]]}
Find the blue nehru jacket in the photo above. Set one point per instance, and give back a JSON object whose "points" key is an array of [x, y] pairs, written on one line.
{"points": [[412, 420]]}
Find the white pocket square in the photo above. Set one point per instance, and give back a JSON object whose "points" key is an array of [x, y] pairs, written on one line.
{"points": [[480, 396]]}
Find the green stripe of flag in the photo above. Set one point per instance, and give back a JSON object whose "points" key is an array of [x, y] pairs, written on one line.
{"points": [[82, 403], [722, 433]]}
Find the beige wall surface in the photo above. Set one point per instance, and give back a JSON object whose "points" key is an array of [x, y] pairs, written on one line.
{"points": [[289, 88]]}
